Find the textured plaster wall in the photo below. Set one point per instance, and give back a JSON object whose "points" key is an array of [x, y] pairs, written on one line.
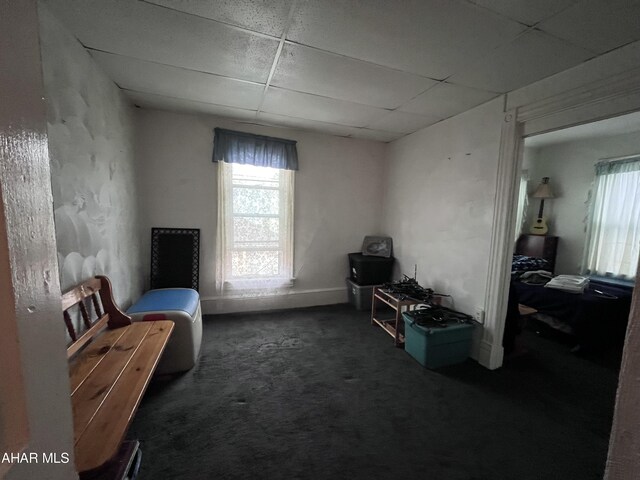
{"points": [[338, 198], [570, 166], [439, 203], [91, 144]]}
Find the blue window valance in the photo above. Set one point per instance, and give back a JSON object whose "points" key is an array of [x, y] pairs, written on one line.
{"points": [[239, 147]]}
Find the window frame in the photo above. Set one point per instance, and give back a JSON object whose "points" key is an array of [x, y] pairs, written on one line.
{"points": [[601, 195], [226, 280]]}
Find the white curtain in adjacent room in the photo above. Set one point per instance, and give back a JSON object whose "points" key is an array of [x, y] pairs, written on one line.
{"points": [[613, 237], [523, 202]]}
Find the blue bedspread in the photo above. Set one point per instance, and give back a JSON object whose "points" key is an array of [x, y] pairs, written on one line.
{"points": [[591, 315]]}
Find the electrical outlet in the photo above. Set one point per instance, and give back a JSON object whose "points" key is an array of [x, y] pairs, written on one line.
{"points": [[479, 315]]}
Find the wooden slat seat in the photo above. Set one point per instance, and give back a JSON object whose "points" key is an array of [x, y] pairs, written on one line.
{"points": [[109, 372]]}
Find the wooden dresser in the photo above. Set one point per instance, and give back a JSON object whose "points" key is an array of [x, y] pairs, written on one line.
{"points": [[543, 246]]}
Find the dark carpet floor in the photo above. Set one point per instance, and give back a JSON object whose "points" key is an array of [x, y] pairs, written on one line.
{"points": [[319, 393]]}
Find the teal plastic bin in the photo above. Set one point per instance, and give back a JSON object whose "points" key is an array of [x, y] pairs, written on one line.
{"points": [[437, 347]]}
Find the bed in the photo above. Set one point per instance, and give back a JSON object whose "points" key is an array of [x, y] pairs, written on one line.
{"points": [[595, 318]]}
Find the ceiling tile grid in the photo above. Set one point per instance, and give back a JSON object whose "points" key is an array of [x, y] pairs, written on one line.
{"points": [[315, 107], [264, 16], [402, 122], [527, 12], [447, 99], [530, 57], [314, 71], [142, 76], [597, 25], [426, 37], [149, 32], [271, 119], [362, 68], [161, 102]]}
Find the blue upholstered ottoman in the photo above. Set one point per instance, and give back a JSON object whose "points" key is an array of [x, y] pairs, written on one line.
{"points": [[182, 305]]}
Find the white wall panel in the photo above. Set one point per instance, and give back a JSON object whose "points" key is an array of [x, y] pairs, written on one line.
{"points": [[337, 199], [91, 145], [439, 202]]}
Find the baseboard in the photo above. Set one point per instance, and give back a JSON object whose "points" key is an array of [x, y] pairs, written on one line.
{"points": [[489, 356], [292, 299]]}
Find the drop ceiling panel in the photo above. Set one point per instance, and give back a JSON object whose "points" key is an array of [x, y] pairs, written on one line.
{"points": [[526, 11], [314, 107], [362, 58], [529, 58], [598, 25], [427, 37], [146, 31], [313, 71], [327, 128], [149, 100], [266, 16], [368, 134], [402, 122], [303, 123], [133, 74], [447, 99]]}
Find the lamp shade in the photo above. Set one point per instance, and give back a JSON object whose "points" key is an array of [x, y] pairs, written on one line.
{"points": [[543, 190]]}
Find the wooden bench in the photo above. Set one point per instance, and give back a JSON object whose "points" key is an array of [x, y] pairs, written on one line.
{"points": [[111, 363]]}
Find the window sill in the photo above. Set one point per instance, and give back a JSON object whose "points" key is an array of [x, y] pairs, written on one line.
{"points": [[618, 282], [260, 286]]}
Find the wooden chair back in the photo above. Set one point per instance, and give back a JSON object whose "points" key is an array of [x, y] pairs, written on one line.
{"points": [[97, 314]]}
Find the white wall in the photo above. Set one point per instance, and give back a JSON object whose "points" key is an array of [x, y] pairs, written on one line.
{"points": [[337, 200], [90, 125], [570, 166], [439, 203], [35, 411]]}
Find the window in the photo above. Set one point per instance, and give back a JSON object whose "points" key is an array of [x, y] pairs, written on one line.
{"points": [[523, 201], [613, 238], [254, 250], [255, 231]]}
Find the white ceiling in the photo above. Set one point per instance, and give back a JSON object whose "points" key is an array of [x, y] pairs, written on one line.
{"points": [[604, 128], [376, 69]]}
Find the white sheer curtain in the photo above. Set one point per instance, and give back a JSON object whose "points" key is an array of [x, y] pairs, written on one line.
{"points": [[523, 202], [254, 241], [613, 235]]}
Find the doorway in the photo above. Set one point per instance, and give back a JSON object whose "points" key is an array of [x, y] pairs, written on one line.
{"points": [[572, 181]]}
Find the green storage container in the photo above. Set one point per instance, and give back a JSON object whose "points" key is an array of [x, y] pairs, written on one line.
{"points": [[437, 347]]}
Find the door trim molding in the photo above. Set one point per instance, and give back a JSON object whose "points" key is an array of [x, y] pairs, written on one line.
{"points": [[598, 100]]}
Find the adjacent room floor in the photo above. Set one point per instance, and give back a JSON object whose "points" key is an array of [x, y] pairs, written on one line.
{"points": [[319, 393]]}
